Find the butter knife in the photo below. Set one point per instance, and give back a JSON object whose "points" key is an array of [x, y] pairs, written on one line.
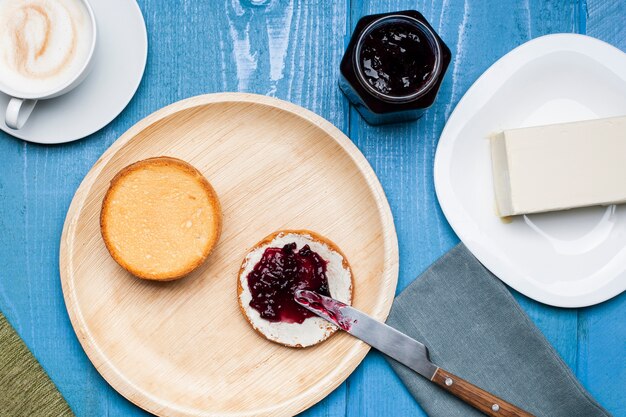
{"points": [[405, 350]]}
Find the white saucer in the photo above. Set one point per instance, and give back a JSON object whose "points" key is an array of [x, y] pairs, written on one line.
{"points": [[568, 259], [119, 62]]}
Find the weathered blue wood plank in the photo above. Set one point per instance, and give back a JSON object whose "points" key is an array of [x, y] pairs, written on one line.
{"points": [[602, 328], [288, 49], [478, 33], [602, 353]]}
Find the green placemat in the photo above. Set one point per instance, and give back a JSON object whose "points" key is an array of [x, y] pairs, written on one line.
{"points": [[25, 388]]}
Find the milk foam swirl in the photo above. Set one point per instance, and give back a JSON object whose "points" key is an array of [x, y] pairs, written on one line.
{"points": [[44, 42]]}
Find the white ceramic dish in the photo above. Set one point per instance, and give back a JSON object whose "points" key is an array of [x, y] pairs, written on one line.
{"points": [[118, 64], [572, 258]]}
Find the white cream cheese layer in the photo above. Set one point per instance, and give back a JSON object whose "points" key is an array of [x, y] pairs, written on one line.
{"points": [[314, 329]]}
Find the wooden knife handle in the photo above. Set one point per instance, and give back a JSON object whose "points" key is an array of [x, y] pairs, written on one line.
{"points": [[476, 397]]}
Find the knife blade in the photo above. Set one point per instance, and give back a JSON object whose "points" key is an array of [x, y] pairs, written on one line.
{"points": [[386, 339], [405, 350]]}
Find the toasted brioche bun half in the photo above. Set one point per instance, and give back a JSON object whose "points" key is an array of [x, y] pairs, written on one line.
{"points": [[160, 218], [340, 284]]}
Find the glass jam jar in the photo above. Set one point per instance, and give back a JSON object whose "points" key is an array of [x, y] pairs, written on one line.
{"points": [[393, 67]]}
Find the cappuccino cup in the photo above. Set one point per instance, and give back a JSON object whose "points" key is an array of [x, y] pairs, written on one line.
{"points": [[46, 50]]}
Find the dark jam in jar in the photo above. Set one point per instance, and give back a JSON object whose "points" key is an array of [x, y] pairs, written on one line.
{"points": [[393, 66], [396, 59], [278, 275]]}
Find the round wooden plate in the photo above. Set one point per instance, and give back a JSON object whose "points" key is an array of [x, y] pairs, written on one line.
{"points": [[182, 348]]}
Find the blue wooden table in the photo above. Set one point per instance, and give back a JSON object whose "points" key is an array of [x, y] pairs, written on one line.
{"points": [[291, 49]]}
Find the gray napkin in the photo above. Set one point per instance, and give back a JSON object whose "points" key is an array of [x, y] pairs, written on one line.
{"points": [[475, 329]]}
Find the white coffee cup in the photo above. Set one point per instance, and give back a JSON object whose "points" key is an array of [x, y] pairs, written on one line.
{"points": [[23, 100]]}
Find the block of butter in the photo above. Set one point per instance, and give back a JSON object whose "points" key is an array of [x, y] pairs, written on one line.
{"points": [[561, 166]]}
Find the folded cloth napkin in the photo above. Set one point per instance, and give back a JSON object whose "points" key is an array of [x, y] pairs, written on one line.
{"points": [[475, 329], [25, 388]]}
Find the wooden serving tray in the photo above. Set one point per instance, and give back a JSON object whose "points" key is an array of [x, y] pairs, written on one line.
{"points": [[182, 348]]}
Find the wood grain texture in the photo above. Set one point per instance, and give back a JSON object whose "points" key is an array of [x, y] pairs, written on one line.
{"points": [[182, 348], [482, 400], [295, 46], [477, 33], [601, 329]]}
